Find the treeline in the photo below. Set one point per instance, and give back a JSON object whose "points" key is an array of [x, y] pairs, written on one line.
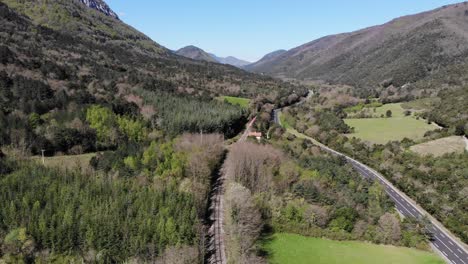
{"points": [[451, 111], [304, 191]]}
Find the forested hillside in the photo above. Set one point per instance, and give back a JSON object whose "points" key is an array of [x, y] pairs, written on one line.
{"points": [[411, 55]]}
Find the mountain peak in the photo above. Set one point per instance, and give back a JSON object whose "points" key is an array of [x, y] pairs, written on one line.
{"points": [[195, 53], [100, 6]]}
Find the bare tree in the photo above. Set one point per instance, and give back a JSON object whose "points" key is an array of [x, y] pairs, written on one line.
{"points": [[389, 228], [253, 166], [243, 223]]}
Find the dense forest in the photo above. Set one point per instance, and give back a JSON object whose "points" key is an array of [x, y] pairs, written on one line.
{"points": [[144, 202]]}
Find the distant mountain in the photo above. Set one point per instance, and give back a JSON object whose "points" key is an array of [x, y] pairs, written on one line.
{"points": [[265, 60], [429, 48], [231, 61], [100, 6], [195, 53]]}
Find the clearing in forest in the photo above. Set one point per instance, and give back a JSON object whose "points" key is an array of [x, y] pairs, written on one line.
{"points": [[439, 147], [242, 102], [381, 130], [67, 161]]}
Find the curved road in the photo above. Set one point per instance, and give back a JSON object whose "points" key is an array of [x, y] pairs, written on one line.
{"points": [[444, 243]]}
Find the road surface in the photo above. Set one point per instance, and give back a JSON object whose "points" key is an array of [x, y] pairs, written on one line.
{"points": [[444, 243], [216, 245]]}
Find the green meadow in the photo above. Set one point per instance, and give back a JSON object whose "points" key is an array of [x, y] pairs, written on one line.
{"points": [[242, 102], [382, 130], [291, 248]]}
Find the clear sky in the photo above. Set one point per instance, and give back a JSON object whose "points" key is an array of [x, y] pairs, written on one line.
{"points": [[248, 29]]}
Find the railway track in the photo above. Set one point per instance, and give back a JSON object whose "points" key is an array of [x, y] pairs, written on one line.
{"points": [[216, 246]]}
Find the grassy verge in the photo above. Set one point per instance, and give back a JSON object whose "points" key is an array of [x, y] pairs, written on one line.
{"points": [[291, 248], [242, 102]]}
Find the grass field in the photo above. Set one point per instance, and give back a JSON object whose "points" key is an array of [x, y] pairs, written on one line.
{"points": [[67, 162], [439, 147], [290, 248], [382, 130], [242, 102]]}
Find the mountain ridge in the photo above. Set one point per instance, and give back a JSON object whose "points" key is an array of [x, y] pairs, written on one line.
{"points": [[265, 59], [231, 60], [405, 50]]}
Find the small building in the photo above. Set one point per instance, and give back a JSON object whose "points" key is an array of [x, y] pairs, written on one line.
{"points": [[257, 135]]}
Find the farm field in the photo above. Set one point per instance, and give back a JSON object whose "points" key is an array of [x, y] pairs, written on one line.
{"points": [[383, 130], [439, 147], [242, 102], [291, 248]]}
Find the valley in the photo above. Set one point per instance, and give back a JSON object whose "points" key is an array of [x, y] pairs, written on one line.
{"points": [[114, 148]]}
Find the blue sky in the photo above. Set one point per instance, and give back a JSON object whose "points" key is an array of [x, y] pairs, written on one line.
{"points": [[248, 29]]}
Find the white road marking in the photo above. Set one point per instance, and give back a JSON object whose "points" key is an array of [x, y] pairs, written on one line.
{"points": [[459, 250], [440, 240], [451, 243], [445, 253], [437, 246]]}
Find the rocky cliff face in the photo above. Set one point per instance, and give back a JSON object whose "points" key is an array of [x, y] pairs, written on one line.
{"points": [[100, 6]]}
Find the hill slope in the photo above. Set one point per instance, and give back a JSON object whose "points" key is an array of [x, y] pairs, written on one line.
{"points": [[405, 50], [100, 6], [89, 49], [265, 60]]}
